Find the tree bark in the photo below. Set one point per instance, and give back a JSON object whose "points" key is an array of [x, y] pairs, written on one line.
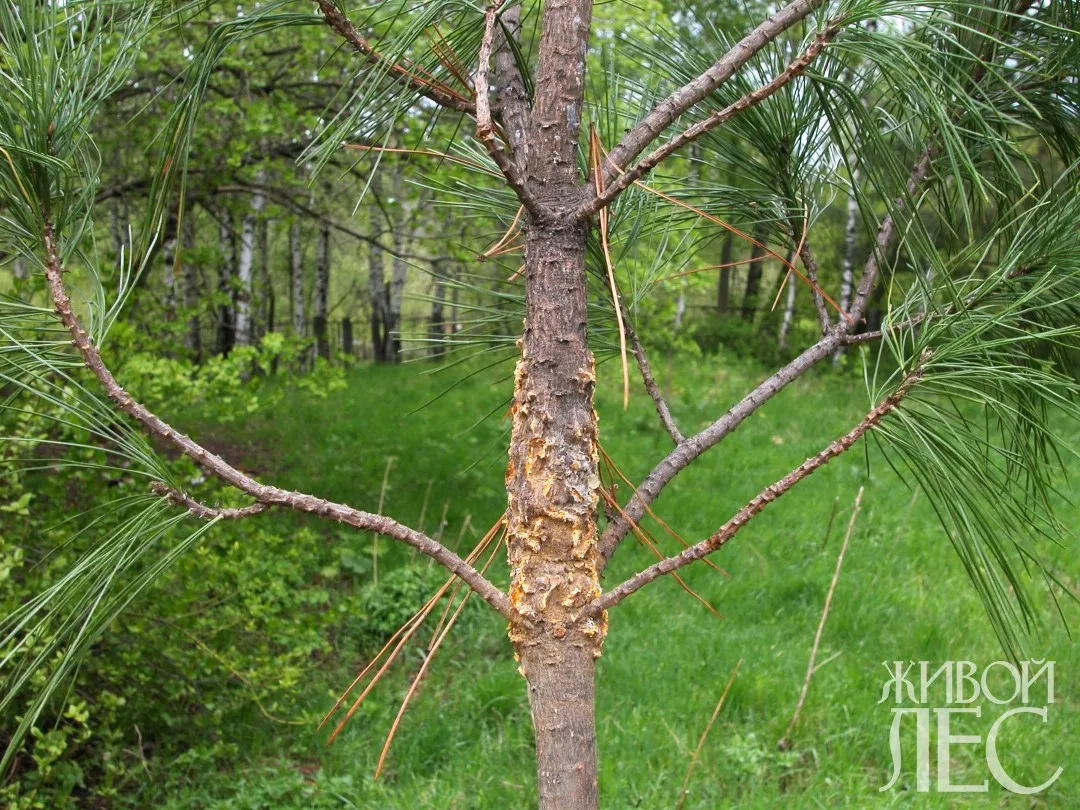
{"points": [[847, 267], [322, 291], [552, 483], [552, 478], [226, 333]]}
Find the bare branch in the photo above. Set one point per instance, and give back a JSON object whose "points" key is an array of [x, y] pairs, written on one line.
{"points": [[885, 235], [485, 130], [757, 504], [810, 264], [667, 111], [654, 390], [218, 467], [685, 453], [178, 498], [647, 164], [437, 92]]}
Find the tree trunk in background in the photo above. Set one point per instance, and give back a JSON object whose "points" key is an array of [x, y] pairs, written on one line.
{"points": [[322, 291], [789, 304], [266, 284], [246, 266], [377, 286], [437, 326], [851, 233], [18, 269], [193, 337], [296, 278], [226, 334], [753, 275], [847, 275], [118, 216], [723, 289], [346, 337], [455, 299], [398, 274], [552, 479], [168, 254]]}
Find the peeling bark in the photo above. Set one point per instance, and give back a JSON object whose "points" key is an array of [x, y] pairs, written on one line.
{"points": [[552, 478]]}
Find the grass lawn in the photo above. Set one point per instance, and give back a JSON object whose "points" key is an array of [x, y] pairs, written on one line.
{"points": [[466, 741]]}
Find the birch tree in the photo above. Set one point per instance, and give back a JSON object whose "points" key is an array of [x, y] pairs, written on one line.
{"points": [[958, 90], [245, 266]]}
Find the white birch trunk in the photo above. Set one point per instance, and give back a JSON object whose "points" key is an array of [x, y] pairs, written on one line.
{"points": [[246, 265]]}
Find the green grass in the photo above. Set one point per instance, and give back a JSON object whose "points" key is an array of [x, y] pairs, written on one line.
{"points": [[466, 740]]}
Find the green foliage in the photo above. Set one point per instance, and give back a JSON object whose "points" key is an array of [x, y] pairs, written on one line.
{"points": [[276, 615]]}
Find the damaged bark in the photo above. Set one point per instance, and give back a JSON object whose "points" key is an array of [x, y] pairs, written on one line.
{"points": [[552, 479]]}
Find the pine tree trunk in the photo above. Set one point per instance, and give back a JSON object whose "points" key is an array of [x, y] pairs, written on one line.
{"points": [[552, 480], [226, 334], [552, 483], [322, 291]]}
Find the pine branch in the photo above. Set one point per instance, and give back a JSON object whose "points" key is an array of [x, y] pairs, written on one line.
{"points": [[807, 256], [434, 91], [667, 111], [620, 181], [662, 409], [219, 468], [757, 504], [686, 452], [200, 510]]}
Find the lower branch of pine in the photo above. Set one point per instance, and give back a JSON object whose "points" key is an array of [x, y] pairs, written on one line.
{"points": [[216, 466], [757, 504]]}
